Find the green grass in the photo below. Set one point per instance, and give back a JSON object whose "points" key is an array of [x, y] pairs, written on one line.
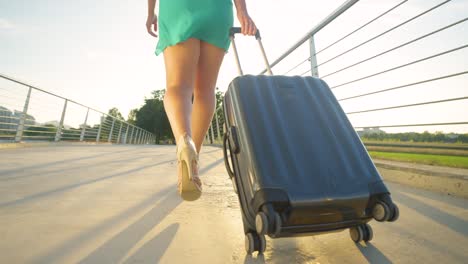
{"points": [[438, 145], [440, 160]]}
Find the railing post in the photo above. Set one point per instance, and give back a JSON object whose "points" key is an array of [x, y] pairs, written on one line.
{"points": [[20, 127], [98, 136], [120, 133], [212, 133], [217, 126], [313, 58], [137, 136], [58, 135], [126, 134], [111, 131], [131, 136], [83, 130]]}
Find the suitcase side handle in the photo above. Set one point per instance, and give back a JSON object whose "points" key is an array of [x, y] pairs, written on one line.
{"points": [[226, 161], [236, 30]]}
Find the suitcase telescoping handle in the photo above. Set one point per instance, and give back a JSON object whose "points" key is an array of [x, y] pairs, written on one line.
{"points": [[237, 30]]}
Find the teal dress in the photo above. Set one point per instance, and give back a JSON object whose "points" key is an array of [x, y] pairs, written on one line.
{"points": [[206, 20]]}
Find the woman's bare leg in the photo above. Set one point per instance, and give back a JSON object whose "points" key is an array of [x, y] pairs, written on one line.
{"points": [[204, 102], [181, 63]]}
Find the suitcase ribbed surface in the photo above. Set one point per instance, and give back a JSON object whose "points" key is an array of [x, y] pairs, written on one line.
{"points": [[295, 136]]}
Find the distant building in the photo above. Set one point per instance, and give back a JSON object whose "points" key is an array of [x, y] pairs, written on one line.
{"points": [[9, 120], [452, 136], [29, 120], [56, 123], [370, 131], [6, 119]]}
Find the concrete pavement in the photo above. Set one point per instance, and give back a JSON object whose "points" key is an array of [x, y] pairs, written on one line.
{"points": [[118, 204]]}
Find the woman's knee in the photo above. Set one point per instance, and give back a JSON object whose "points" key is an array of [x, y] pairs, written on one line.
{"points": [[178, 90], [200, 92]]}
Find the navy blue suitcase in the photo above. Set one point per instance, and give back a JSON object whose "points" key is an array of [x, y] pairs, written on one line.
{"points": [[296, 162]]}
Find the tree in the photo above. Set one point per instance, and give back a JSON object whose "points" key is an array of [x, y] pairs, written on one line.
{"points": [[219, 109], [113, 116], [132, 116], [158, 95], [152, 117], [115, 113]]}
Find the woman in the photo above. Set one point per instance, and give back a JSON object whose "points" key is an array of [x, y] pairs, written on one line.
{"points": [[193, 36]]}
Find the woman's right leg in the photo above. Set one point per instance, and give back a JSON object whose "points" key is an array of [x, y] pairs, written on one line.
{"points": [[181, 62]]}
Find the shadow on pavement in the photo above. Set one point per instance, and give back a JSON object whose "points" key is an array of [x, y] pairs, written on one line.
{"points": [[69, 169], [73, 186], [115, 249], [439, 197], [425, 241], [205, 169], [372, 254], [211, 151], [38, 166], [56, 254], [153, 250], [456, 224]]}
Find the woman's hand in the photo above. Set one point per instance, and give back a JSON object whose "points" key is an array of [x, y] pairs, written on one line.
{"points": [[247, 24], [152, 25]]}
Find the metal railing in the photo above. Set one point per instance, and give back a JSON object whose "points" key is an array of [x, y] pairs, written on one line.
{"points": [[363, 85], [28, 113]]}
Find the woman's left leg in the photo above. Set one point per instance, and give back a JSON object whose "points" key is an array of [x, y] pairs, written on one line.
{"points": [[204, 102]]}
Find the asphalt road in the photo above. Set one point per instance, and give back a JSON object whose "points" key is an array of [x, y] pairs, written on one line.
{"points": [[118, 204]]}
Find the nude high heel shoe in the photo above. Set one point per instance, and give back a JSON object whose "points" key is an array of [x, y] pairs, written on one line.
{"points": [[189, 184]]}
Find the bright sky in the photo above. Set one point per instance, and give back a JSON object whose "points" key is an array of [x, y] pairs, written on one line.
{"points": [[98, 53]]}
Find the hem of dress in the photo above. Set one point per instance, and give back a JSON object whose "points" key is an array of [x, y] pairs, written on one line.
{"points": [[158, 51]]}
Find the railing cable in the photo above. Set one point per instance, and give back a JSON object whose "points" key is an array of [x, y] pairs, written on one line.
{"points": [[381, 34], [397, 47], [408, 105], [401, 66], [361, 27], [404, 86]]}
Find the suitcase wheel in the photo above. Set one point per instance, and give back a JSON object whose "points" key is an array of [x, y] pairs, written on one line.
{"points": [[396, 213], [361, 233], [368, 233], [262, 224], [255, 242], [385, 209], [381, 212]]}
